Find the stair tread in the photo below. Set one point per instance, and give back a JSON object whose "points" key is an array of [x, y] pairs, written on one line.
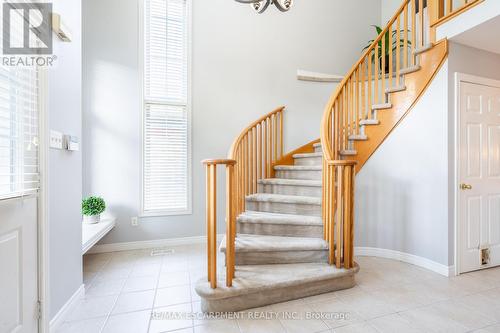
{"points": [[423, 49], [410, 69], [277, 218], [381, 106], [291, 182], [299, 167], [307, 155], [365, 122], [394, 89], [259, 278], [283, 198], [359, 137], [348, 152], [265, 243]]}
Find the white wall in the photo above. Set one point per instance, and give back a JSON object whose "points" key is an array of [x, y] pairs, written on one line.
{"points": [[388, 9], [65, 169], [402, 191], [244, 65]]}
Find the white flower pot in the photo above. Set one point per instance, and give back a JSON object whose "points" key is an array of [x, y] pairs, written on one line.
{"points": [[91, 219]]}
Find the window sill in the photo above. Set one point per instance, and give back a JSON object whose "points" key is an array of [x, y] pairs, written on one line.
{"points": [[165, 213]]}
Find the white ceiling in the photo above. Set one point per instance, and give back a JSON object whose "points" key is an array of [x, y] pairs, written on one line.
{"points": [[485, 36]]}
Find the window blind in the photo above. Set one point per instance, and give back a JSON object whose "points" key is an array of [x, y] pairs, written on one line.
{"points": [[166, 136], [19, 125]]}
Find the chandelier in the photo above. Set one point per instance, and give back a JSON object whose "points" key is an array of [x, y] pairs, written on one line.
{"points": [[260, 6]]}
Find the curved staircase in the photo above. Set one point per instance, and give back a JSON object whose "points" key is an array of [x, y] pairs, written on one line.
{"points": [[280, 252], [289, 217]]}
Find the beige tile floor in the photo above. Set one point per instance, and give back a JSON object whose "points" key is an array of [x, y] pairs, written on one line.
{"points": [[124, 288]]}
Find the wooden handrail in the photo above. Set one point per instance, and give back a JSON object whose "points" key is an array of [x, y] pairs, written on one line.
{"points": [[251, 157], [356, 100], [442, 11], [378, 68]]}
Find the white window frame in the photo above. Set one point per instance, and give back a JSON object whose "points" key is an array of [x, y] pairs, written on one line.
{"points": [[141, 43]]}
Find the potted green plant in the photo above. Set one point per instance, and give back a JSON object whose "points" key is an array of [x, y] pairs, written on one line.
{"points": [[92, 207], [387, 47]]}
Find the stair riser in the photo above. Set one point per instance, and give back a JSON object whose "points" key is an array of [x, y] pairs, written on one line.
{"points": [[317, 160], [312, 191], [289, 230], [284, 208], [280, 257], [286, 293], [298, 174]]}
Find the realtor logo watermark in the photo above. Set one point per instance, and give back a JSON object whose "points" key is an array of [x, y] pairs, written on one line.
{"points": [[27, 34]]}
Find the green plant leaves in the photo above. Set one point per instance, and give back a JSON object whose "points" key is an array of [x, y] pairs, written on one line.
{"points": [[93, 206]]}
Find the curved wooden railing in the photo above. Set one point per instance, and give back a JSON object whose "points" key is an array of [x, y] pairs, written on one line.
{"points": [[442, 11], [378, 68], [363, 91], [251, 158]]}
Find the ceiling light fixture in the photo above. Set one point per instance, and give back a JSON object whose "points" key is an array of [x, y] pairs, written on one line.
{"points": [[260, 6]]}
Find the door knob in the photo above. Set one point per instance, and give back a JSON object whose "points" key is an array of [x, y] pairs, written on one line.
{"points": [[466, 187]]}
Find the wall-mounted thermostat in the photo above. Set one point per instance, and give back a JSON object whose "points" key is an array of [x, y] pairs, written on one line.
{"points": [[72, 142]]}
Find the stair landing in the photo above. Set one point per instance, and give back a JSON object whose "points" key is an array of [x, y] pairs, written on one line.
{"points": [[260, 285]]}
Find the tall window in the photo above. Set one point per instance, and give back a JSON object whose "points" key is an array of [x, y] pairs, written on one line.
{"points": [[19, 125], [166, 146]]}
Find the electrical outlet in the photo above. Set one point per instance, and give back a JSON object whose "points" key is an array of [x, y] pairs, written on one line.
{"points": [[134, 221]]}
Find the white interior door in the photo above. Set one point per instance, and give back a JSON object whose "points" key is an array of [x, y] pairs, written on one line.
{"points": [[18, 266], [479, 177]]}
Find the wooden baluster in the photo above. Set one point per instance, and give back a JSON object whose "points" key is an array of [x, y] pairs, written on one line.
{"points": [[370, 83], [208, 214], [351, 221], [389, 49], [345, 111], [256, 165], [405, 37], [421, 16], [347, 215], [331, 200], [259, 150], [398, 49], [413, 32], [359, 114], [242, 180], [326, 181], [351, 107], [282, 143], [229, 225], [364, 110], [340, 215], [326, 184], [336, 151], [383, 65], [264, 147], [376, 62], [212, 234], [251, 162], [449, 7], [275, 137], [269, 147]]}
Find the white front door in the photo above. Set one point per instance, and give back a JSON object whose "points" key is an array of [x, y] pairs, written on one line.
{"points": [[18, 266], [479, 177]]}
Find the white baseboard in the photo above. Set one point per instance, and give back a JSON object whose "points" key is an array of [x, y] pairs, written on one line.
{"points": [[61, 315], [128, 246], [405, 257]]}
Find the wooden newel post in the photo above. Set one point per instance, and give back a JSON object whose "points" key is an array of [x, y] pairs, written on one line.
{"points": [[211, 220], [341, 176]]}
